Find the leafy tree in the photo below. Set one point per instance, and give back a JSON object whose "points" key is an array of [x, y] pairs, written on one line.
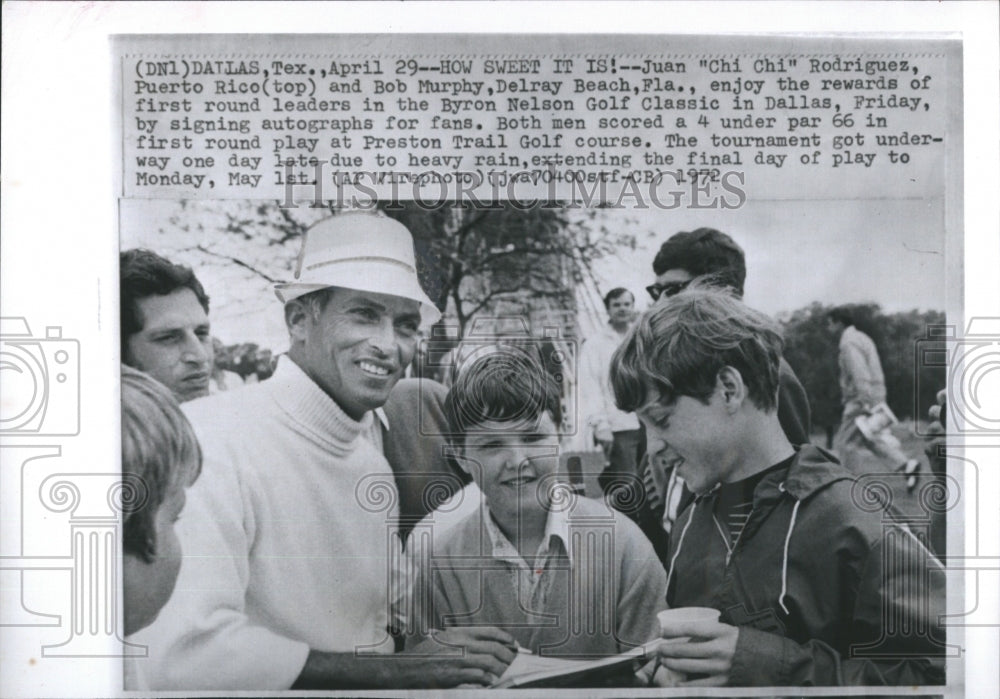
{"points": [[472, 260], [481, 260], [911, 382], [811, 350]]}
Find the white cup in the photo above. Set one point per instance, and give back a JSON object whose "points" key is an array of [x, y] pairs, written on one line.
{"points": [[669, 618]]}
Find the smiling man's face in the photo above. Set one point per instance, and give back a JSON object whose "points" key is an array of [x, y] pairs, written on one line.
{"points": [[509, 460], [358, 346]]}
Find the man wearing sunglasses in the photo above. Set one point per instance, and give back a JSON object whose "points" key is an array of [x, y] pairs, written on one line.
{"points": [[666, 289]]}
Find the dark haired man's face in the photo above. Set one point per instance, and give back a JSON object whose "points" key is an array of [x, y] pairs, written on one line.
{"points": [[622, 309], [670, 283], [175, 343]]}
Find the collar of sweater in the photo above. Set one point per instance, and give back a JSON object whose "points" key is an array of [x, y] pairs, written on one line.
{"points": [[310, 407]]}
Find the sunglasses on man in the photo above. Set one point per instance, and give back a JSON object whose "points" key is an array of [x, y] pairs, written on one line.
{"points": [[669, 289]]}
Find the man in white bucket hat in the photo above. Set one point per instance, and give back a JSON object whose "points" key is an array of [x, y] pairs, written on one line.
{"points": [[354, 308], [287, 540], [363, 251]]}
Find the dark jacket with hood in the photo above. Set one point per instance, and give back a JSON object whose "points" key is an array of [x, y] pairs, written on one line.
{"points": [[827, 583]]}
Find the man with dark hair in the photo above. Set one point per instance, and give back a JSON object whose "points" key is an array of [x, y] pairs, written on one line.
{"points": [[841, 315], [617, 432], [864, 427], [164, 323], [698, 253], [813, 589], [716, 259]]}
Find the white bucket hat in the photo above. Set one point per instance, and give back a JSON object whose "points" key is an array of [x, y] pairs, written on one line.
{"points": [[363, 251]]}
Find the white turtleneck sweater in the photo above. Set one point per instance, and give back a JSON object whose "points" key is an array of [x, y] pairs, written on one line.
{"points": [[286, 536]]}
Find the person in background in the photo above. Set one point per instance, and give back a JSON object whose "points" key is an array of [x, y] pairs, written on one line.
{"points": [[716, 259], [862, 391], [936, 452], [263, 366], [617, 432], [813, 590], [164, 323], [222, 379]]}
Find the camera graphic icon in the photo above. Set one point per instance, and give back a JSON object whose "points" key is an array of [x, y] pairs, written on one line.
{"points": [[40, 377], [972, 367]]}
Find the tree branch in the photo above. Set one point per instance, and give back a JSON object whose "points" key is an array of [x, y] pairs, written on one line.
{"points": [[236, 261]]}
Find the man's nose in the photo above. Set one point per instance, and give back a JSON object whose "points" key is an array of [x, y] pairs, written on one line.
{"points": [[654, 445], [658, 450], [515, 457], [527, 459], [383, 338], [195, 350]]}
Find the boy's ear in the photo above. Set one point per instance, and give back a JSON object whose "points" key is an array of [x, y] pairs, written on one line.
{"points": [[734, 392]]}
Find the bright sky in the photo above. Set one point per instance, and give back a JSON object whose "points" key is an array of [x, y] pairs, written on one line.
{"points": [[889, 252]]}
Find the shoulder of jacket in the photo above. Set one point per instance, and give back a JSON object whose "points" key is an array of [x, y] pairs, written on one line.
{"points": [[843, 509]]}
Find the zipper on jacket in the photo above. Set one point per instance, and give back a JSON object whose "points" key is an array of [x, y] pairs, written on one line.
{"points": [[731, 547]]}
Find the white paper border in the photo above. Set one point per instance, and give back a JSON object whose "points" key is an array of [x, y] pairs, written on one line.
{"points": [[58, 248]]}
